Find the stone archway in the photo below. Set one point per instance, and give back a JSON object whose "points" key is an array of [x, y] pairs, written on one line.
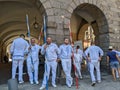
{"points": [[13, 23], [56, 8], [86, 14], [108, 30], [13, 20]]}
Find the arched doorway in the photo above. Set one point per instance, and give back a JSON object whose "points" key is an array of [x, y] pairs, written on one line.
{"points": [[13, 23], [88, 19]]}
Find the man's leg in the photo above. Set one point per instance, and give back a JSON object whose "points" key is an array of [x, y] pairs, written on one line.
{"points": [[79, 70], [69, 78], [97, 67], [54, 68], [21, 71], [29, 69], [64, 66], [46, 73], [36, 72], [91, 65], [14, 67], [117, 74], [113, 74]]}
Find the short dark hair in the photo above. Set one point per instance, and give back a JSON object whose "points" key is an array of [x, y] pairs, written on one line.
{"points": [[22, 35], [66, 38], [78, 47]]}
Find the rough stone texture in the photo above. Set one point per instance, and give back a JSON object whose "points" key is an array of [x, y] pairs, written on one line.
{"points": [[105, 12]]}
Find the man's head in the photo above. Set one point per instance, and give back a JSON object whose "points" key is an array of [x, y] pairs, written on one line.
{"points": [[49, 40], [22, 35], [32, 41], [77, 47], [66, 41]]}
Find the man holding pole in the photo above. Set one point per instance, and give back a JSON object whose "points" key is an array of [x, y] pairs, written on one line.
{"points": [[51, 51], [33, 62]]}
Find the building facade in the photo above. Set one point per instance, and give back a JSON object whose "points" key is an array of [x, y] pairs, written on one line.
{"points": [[103, 16]]}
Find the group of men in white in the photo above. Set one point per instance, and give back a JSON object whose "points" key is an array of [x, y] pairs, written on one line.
{"points": [[53, 54]]}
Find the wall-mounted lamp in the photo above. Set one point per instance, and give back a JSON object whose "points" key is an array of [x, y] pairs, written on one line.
{"points": [[36, 24]]}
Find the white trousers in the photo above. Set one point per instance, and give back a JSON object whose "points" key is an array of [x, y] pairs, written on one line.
{"points": [[19, 64], [78, 68], [96, 65], [33, 70], [50, 65], [66, 65]]}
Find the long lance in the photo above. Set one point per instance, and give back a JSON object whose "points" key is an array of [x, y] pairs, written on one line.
{"points": [[28, 34], [45, 28], [28, 28], [71, 40]]}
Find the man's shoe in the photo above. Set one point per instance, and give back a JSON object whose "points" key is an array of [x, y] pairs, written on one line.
{"points": [[42, 87], [31, 83], [54, 85], [93, 84], [81, 77], [36, 82], [69, 86], [20, 82], [99, 81]]}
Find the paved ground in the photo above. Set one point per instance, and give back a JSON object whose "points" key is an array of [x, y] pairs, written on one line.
{"points": [[85, 84]]}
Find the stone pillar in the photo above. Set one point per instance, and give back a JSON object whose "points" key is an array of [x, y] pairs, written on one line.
{"points": [[57, 31]]}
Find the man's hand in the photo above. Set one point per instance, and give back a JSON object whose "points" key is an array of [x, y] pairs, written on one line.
{"points": [[99, 59], [58, 60], [29, 48], [45, 46], [89, 60]]}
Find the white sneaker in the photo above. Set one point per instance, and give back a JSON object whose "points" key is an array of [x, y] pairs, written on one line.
{"points": [[36, 82], [81, 77], [42, 87], [69, 86], [20, 82], [99, 81], [31, 83], [54, 85]]}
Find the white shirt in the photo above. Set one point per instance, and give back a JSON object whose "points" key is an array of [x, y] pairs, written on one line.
{"points": [[19, 48], [94, 52]]}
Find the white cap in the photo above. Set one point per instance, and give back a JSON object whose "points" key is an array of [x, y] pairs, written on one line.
{"points": [[110, 47]]}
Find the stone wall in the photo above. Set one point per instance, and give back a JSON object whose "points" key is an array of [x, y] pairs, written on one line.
{"points": [[107, 20]]}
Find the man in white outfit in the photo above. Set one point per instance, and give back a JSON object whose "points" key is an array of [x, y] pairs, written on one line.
{"points": [[33, 61], [18, 49], [94, 55], [78, 56], [51, 51], [66, 52]]}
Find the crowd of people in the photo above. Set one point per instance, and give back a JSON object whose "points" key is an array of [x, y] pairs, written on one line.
{"points": [[65, 53]]}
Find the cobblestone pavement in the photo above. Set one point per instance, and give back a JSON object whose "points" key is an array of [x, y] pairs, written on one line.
{"points": [[85, 84]]}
